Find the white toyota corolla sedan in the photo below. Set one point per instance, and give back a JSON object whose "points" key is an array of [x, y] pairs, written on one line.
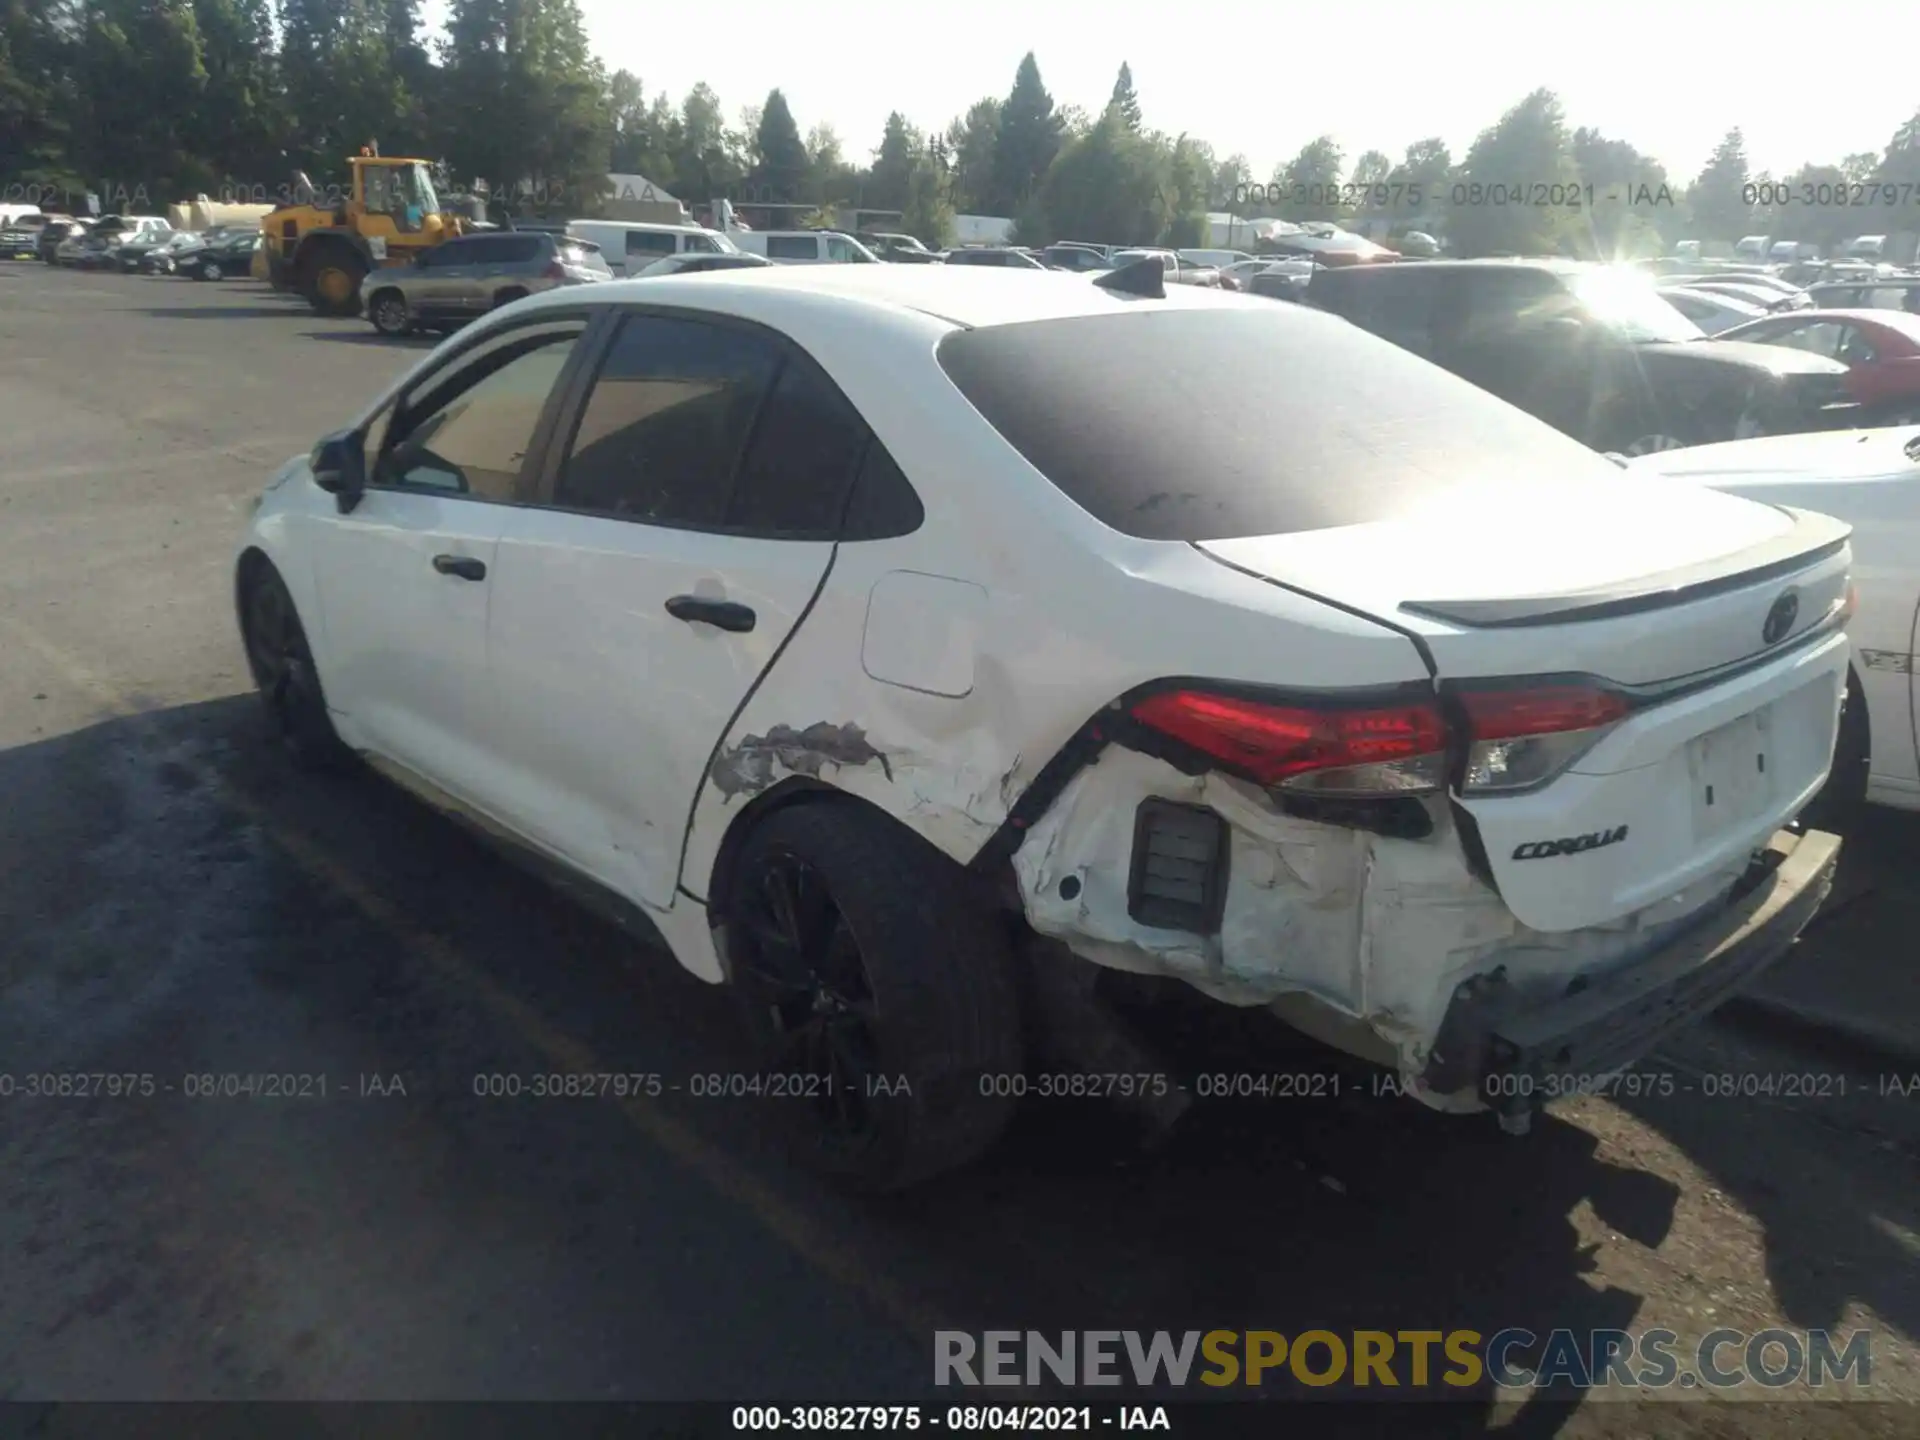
{"points": [[892, 636]]}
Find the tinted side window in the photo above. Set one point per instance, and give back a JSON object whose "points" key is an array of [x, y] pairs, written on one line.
{"points": [[475, 440], [460, 252], [1396, 307], [665, 422], [702, 243], [884, 503], [517, 250], [648, 242], [1507, 300], [792, 247], [805, 445]]}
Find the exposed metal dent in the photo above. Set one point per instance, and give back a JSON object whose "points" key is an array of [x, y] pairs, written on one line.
{"points": [[1338, 931], [749, 767]]}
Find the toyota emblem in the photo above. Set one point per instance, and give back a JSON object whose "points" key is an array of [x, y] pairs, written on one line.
{"points": [[1780, 618]]}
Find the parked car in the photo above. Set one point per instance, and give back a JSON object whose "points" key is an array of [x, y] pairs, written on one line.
{"points": [[222, 258], [1880, 348], [131, 254], [1870, 480], [184, 245], [1178, 270], [692, 264], [20, 236], [1220, 260], [806, 247], [1712, 310], [456, 280], [100, 247], [1591, 349], [1884, 292], [1007, 257], [1503, 742], [895, 248], [1330, 246], [56, 232], [1763, 297], [1278, 279], [1070, 256], [629, 246], [66, 250]]}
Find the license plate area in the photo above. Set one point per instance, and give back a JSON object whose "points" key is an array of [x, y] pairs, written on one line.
{"points": [[1732, 773]]}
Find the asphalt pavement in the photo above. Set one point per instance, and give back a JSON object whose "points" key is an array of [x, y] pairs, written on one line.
{"points": [[176, 906]]}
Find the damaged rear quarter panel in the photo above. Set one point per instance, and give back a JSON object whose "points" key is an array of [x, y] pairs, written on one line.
{"points": [[1360, 927]]}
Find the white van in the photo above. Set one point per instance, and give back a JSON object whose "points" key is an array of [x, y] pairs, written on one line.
{"points": [[629, 246], [805, 247], [11, 213]]}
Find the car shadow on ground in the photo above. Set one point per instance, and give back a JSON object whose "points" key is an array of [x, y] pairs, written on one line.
{"points": [[220, 312], [1287, 1215], [373, 337], [1854, 1248]]}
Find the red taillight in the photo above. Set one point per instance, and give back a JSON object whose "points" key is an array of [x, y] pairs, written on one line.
{"points": [[1521, 739], [1391, 749], [1548, 710], [556, 271]]}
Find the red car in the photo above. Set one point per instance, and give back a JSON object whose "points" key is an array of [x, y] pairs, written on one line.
{"points": [[1880, 348]]}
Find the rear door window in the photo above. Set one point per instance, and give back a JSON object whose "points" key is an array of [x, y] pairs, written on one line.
{"points": [[792, 247], [666, 421], [807, 441]]}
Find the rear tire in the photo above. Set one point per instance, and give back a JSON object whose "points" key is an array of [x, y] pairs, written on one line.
{"points": [[881, 988], [284, 671]]}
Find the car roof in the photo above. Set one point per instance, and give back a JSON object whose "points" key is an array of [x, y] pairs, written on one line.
{"points": [[966, 296]]}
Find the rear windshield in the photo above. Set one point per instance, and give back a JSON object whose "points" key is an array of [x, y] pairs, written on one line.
{"points": [[1214, 423]]}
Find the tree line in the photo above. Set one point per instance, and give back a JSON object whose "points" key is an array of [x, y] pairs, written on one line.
{"points": [[151, 101]]}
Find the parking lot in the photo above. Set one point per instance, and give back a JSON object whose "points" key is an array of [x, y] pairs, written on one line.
{"points": [[175, 902]]}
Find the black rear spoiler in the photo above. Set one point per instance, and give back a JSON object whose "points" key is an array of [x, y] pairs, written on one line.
{"points": [[1812, 539]]}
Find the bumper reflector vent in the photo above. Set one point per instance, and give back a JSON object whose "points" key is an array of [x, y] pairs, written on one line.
{"points": [[1179, 876]]}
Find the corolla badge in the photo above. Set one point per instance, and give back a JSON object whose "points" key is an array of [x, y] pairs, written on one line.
{"points": [[1780, 618], [1569, 845]]}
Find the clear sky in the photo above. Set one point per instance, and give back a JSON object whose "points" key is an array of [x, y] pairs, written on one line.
{"points": [[1669, 78]]}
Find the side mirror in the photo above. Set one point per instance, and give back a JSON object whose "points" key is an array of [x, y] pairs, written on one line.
{"points": [[339, 464]]}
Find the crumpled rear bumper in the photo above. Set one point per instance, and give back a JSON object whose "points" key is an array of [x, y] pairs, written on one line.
{"points": [[1504, 1048]]}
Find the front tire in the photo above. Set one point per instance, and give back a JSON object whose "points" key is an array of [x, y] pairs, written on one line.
{"points": [[389, 313], [210, 270], [330, 281], [880, 990], [283, 670]]}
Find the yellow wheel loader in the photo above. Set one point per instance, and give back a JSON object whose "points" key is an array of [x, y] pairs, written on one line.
{"points": [[322, 245]]}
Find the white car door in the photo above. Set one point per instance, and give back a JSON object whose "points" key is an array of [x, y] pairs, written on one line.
{"points": [[404, 577], [678, 537]]}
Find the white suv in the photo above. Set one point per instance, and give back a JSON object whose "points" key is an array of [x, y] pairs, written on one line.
{"points": [[892, 636]]}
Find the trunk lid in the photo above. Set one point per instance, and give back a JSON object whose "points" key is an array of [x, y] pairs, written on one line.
{"points": [[1676, 602]]}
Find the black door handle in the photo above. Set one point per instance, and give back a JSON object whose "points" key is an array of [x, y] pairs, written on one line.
{"points": [[725, 614], [465, 566]]}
